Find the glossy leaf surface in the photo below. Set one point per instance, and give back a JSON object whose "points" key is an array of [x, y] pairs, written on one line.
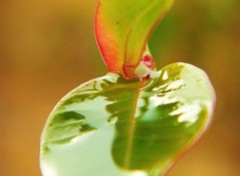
{"points": [[123, 27], [113, 126]]}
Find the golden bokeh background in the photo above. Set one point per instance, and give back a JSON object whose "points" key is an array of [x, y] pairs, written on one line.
{"points": [[48, 48]]}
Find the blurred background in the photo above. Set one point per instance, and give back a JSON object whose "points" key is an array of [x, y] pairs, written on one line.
{"points": [[47, 48]]}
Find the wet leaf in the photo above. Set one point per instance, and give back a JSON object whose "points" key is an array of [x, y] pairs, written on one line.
{"points": [[123, 27], [113, 126]]}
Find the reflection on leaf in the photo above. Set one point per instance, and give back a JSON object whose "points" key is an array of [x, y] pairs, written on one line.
{"points": [[113, 126], [153, 133]]}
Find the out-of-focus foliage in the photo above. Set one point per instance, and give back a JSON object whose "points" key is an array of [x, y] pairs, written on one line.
{"points": [[47, 48]]}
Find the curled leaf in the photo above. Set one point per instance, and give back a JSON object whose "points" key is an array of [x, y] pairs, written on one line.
{"points": [[122, 29]]}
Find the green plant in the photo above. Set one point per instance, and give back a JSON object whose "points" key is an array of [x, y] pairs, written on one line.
{"points": [[134, 121]]}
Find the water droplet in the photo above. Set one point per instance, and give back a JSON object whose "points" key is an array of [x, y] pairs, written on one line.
{"points": [[165, 75]]}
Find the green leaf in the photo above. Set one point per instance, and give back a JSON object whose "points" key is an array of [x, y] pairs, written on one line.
{"points": [[113, 126], [123, 28]]}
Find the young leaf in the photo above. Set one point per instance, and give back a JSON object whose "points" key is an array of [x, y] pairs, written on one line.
{"points": [[122, 29], [113, 126]]}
